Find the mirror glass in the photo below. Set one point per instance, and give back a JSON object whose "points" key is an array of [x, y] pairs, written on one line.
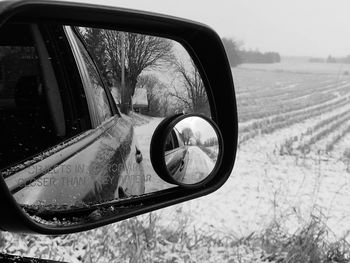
{"points": [[191, 150], [78, 108]]}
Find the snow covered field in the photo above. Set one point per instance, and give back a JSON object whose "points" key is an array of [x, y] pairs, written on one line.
{"points": [[284, 171], [292, 162]]}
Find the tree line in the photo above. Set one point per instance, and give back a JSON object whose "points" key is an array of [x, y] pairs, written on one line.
{"points": [[237, 55], [189, 137], [331, 59]]}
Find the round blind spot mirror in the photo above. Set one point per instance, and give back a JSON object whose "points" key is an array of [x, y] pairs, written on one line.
{"points": [[191, 146]]}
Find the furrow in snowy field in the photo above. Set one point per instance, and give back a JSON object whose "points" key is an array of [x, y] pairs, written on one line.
{"points": [[287, 121]]}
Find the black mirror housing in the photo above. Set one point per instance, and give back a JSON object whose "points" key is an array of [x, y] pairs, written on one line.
{"points": [[207, 52]]}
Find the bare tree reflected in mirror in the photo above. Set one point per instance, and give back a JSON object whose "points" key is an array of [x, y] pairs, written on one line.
{"points": [[192, 92]]}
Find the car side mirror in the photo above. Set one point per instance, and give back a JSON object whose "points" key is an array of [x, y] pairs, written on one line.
{"points": [[211, 139]]}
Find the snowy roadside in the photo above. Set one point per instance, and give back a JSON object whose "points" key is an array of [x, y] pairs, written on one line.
{"points": [[263, 187]]}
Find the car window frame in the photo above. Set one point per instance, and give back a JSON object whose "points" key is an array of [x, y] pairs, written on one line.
{"points": [[85, 78], [109, 95], [49, 80], [62, 150], [75, 104], [53, 94], [179, 138], [110, 98]]}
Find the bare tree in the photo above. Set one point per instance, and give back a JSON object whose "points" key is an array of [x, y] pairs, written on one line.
{"points": [[232, 50], [198, 137], [94, 40], [141, 52], [187, 134], [192, 92]]}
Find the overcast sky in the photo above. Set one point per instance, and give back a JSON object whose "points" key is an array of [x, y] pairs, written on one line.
{"points": [[293, 27]]}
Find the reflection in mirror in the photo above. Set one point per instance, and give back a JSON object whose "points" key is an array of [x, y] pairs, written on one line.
{"points": [[191, 150], [78, 108]]}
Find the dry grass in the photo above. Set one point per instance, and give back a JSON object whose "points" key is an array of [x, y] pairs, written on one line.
{"points": [[309, 244], [143, 239]]}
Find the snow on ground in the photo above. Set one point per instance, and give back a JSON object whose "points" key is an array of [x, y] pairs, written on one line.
{"points": [[342, 146], [265, 186]]}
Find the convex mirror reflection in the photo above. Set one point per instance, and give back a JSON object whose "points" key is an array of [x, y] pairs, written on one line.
{"points": [[191, 150]]}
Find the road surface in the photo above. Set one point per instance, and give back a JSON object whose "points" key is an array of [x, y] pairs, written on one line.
{"points": [[199, 165]]}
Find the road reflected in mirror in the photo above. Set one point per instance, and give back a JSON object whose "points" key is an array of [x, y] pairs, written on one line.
{"points": [[191, 150]]}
